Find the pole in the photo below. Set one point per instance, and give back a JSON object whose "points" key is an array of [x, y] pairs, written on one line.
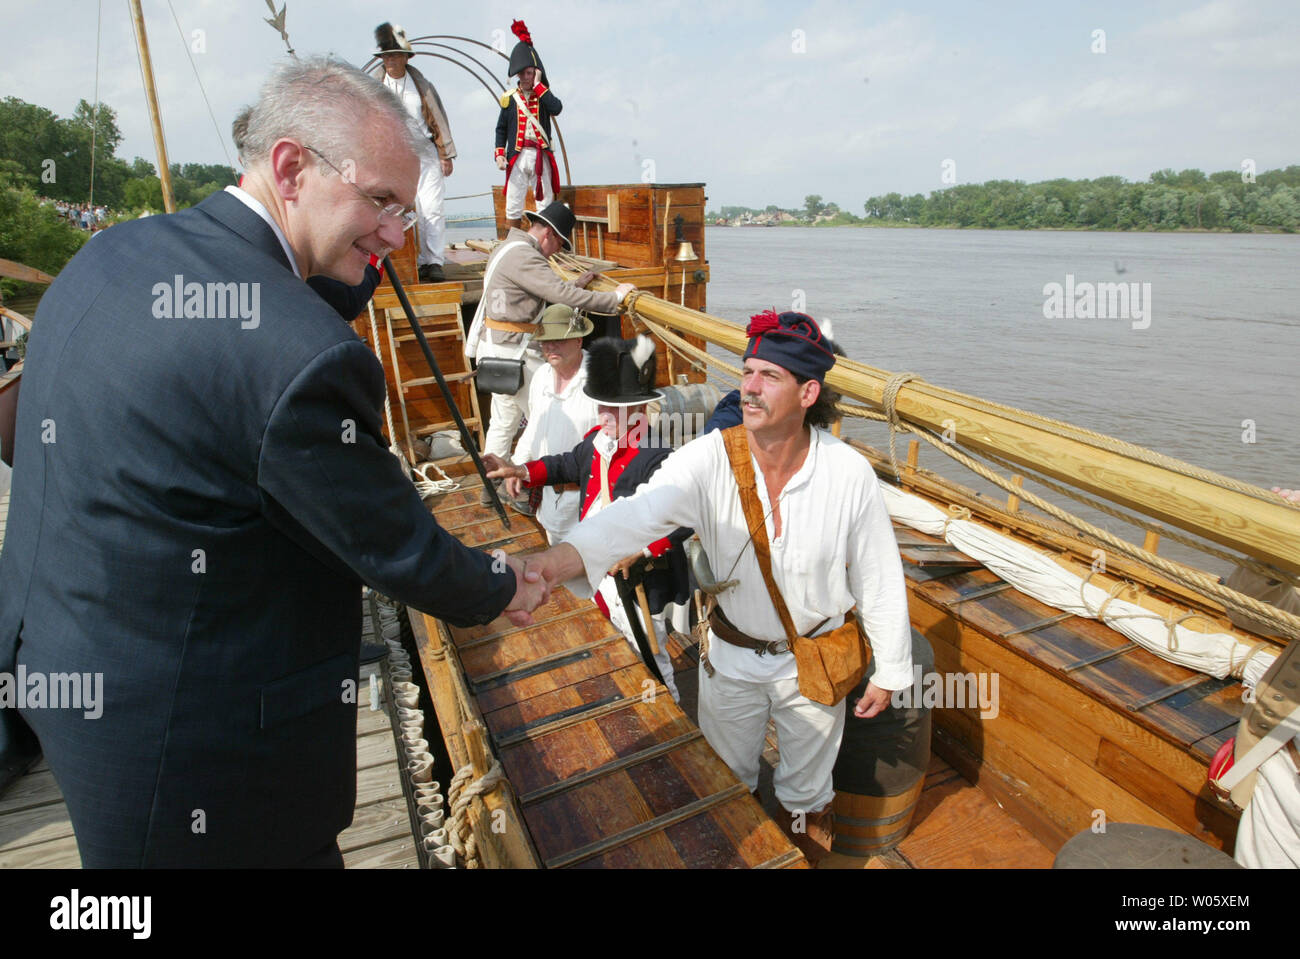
{"points": [[151, 95], [466, 439], [1259, 525]]}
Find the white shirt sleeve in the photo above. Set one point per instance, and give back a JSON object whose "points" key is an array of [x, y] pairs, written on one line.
{"points": [[876, 581], [674, 496]]}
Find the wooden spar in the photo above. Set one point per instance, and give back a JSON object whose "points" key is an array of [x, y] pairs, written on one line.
{"points": [[151, 95], [1260, 527], [18, 271], [18, 318]]}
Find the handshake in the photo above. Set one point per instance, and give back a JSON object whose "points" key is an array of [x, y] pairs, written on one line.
{"points": [[536, 575]]}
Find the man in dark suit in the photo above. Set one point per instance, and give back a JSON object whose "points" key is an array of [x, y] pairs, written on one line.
{"points": [[201, 487]]}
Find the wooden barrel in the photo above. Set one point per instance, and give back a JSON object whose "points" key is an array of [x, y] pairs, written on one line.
{"points": [[683, 411], [880, 770], [1134, 846]]}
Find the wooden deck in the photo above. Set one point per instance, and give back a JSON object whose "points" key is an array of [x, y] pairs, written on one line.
{"points": [[568, 666], [35, 832]]}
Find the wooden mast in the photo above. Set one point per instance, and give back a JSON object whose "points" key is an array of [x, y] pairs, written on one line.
{"points": [[1259, 527], [151, 95]]}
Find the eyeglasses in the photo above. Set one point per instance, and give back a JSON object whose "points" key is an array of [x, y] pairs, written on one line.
{"points": [[404, 215]]}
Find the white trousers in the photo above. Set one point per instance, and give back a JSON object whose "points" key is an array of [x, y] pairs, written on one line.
{"points": [[508, 411], [428, 205], [733, 718], [523, 176], [1269, 834], [618, 617]]}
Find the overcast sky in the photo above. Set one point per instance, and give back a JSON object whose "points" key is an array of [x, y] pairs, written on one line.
{"points": [[764, 102]]}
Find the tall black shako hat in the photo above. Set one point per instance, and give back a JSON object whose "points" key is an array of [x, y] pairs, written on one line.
{"points": [[558, 217], [792, 341], [621, 372], [390, 38], [524, 54]]}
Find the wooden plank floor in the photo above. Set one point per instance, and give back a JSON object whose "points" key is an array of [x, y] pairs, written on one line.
{"points": [[35, 832], [956, 825]]}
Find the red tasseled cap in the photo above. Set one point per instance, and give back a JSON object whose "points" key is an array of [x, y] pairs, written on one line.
{"points": [[762, 323]]}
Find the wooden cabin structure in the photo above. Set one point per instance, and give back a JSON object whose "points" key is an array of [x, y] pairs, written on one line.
{"points": [[628, 232]]}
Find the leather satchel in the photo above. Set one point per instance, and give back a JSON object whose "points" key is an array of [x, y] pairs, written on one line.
{"points": [[500, 375], [831, 665]]}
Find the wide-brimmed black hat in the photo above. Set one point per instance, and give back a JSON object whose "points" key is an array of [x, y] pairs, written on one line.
{"points": [[621, 372], [391, 38], [524, 55], [559, 218]]}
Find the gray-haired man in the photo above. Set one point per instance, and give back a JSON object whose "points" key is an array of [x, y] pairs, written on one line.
{"points": [[192, 524]]}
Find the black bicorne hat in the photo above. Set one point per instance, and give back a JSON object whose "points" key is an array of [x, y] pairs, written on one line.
{"points": [[621, 372], [523, 55], [559, 217]]}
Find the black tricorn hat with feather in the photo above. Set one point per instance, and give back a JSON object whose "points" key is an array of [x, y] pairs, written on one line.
{"points": [[621, 372]]}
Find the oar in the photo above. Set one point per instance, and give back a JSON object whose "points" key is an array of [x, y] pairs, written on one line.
{"points": [[466, 439]]}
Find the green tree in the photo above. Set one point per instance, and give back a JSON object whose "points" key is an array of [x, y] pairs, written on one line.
{"points": [[813, 205], [34, 234]]}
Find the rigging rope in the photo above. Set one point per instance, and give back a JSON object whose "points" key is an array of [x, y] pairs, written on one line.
{"points": [[94, 116], [188, 53]]}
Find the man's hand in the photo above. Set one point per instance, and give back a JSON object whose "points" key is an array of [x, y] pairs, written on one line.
{"points": [[622, 290], [559, 563], [498, 468], [532, 589], [1290, 495], [501, 162], [586, 278], [627, 562], [514, 486], [872, 702], [446, 167]]}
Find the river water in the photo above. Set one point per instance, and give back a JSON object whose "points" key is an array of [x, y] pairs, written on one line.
{"points": [[1208, 374]]}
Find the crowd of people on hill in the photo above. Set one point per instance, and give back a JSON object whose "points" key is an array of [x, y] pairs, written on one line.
{"points": [[83, 216]]}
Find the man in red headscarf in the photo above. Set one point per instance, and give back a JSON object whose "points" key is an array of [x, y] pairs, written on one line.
{"points": [[830, 552]]}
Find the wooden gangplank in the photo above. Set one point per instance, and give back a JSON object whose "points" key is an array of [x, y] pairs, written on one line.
{"points": [[604, 769]]}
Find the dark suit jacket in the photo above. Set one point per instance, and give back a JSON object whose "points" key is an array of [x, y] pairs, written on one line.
{"points": [[195, 526]]}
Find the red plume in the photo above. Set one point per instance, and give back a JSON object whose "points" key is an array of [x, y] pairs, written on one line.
{"points": [[762, 323], [518, 28]]}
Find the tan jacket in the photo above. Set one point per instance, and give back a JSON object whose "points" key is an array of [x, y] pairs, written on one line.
{"points": [[435, 117], [523, 283]]}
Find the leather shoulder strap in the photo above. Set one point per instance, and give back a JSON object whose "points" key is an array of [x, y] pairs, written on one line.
{"points": [[737, 443]]}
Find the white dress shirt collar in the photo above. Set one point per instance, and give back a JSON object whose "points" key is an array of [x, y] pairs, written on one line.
{"points": [[256, 206]]}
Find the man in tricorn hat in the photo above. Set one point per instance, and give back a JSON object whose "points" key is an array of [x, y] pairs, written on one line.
{"points": [[831, 546], [421, 101], [613, 460], [518, 283], [523, 141]]}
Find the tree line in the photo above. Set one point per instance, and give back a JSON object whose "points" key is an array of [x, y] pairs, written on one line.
{"points": [[1230, 200], [1189, 199], [45, 158]]}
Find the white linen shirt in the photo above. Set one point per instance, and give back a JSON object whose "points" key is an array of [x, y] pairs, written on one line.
{"points": [[557, 422], [836, 550]]}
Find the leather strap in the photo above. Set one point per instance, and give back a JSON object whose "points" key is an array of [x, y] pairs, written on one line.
{"points": [[566, 488], [509, 326], [728, 633], [736, 440]]}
